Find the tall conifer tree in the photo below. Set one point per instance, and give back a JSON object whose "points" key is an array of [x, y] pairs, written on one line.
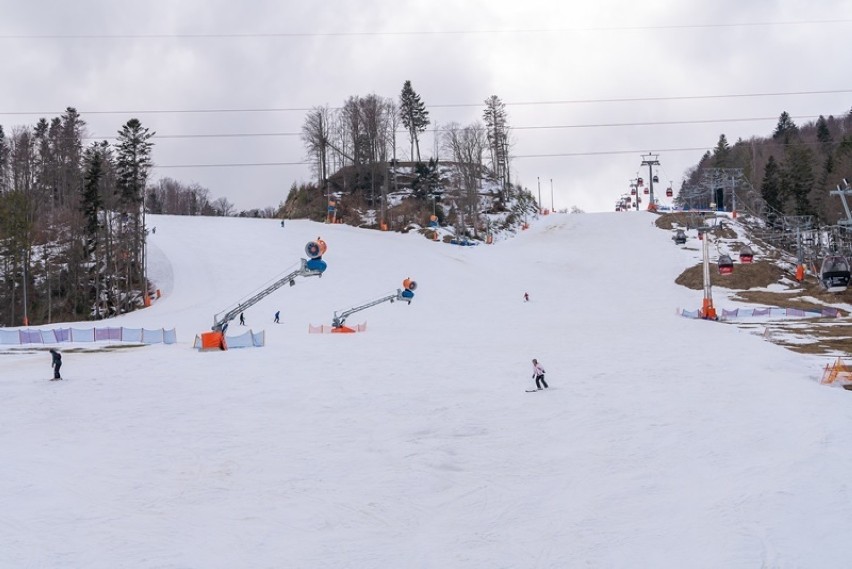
{"points": [[414, 116]]}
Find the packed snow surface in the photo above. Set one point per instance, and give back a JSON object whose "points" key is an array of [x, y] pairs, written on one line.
{"points": [[662, 441]]}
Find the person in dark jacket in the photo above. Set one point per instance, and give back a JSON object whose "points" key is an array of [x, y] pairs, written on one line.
{"points": [[277, 314], [56, 363], [242, 319]]}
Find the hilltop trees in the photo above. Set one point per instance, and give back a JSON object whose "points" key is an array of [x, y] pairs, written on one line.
{"points": [[316, 134], [722, 152], [354, 154], [497, 131], [413, 115], [785, 129], [467, 146]]}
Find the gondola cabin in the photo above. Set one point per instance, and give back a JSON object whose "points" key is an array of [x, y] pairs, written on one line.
{"points": [[647, 191], [656, 179], [726, 265], [640, 182], [679, 237], [669, 192], [633, 191], [834, 274], [746, 254]]}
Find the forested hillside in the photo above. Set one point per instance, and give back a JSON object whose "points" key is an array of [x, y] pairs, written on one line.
{"points": [[792, 170], [72, 224]]}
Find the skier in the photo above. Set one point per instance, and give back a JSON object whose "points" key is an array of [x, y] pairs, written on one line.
{"points": [[55, 363], [242, 319], [277, 314], [526, 297], [538, 374]]}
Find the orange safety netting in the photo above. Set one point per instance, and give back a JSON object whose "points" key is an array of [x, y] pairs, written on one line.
{"points": [[323, 329], [837, 372]]}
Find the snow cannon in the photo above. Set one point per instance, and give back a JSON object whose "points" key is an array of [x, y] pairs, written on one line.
{"points": [[315, 250], [407, 293], [313, 267]]}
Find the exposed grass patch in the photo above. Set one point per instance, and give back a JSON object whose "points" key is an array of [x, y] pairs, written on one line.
{"points": [[760, 274], [818, 336]]}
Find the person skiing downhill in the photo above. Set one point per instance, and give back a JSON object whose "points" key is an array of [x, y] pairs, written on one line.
{"points": [[55, 363], [526, 297], [538, 375]]}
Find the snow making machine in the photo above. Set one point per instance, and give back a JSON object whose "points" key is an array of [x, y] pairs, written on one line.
{"points": [[405, 294], [314, 266]]}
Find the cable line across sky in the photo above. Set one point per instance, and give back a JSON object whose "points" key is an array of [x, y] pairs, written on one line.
{"points": [[497, 31], [444, 105]]}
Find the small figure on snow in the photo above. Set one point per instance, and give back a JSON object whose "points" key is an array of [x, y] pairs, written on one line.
{"points": [[538, 374], [242, 319], [55, 363], [277, 315], [526, 297]]}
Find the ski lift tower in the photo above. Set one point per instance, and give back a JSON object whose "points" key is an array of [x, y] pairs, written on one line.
{"points": [[708, 312], [843, 190], [797, 224], [650, 160]]}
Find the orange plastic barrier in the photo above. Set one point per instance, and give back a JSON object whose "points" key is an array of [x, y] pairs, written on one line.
{"points": [[213, 341]]}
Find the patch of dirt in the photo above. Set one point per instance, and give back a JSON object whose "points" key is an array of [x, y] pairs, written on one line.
{"points": [[819, 336], [689, 220], [759, 274], [825, 336]]}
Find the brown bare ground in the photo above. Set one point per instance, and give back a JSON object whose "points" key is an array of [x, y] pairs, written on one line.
{"points": [[813, 336], [759, 274]]}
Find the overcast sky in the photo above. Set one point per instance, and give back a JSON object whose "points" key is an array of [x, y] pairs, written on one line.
{"points": [[557, 66]]}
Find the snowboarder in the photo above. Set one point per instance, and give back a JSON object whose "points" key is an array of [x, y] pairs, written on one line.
{"points": [[55, 363], [538, 375], [526, 297], [277, 314], [242, 319]]}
